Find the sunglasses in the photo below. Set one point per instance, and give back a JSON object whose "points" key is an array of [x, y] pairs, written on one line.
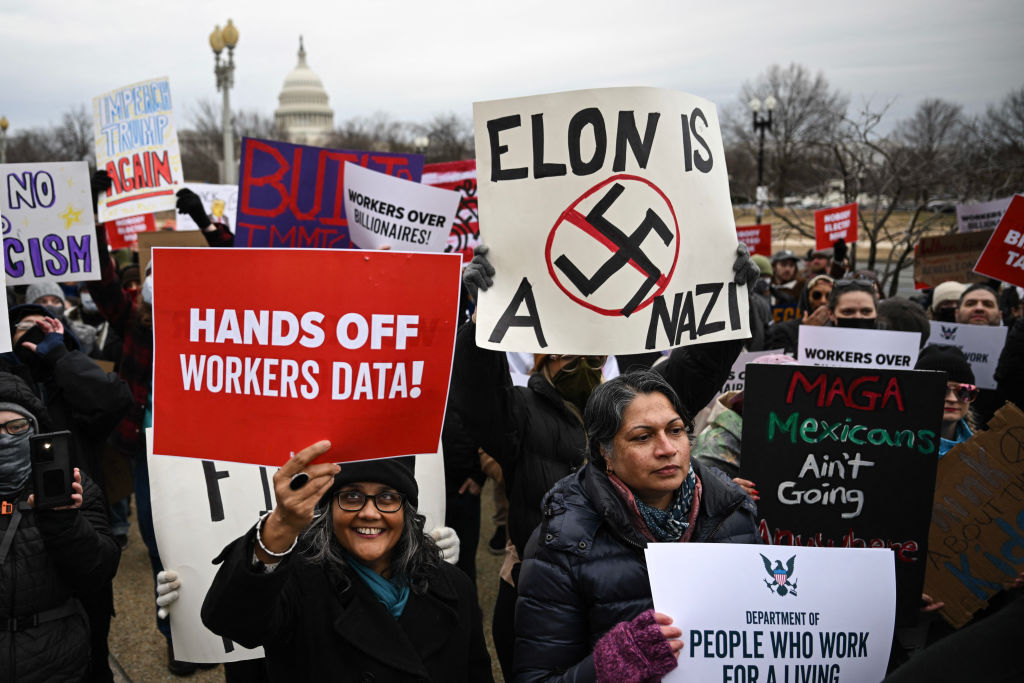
{"points": [[965, 393], [851, 283], [818, 294], [573, 362]]}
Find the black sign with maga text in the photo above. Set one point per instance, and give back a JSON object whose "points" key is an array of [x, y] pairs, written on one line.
{"points": [[846, 457]]}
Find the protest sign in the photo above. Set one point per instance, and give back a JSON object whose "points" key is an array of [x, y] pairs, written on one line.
{"points": [[981, 216], [1003, 256], [459, 176], [166, 238], [758, 238], [756, 614], [845, 457], [738, 373], [220, 202], [836, 223], [137, 145], [981, 344], [5, 320], [608, 217], [123, 233], [407, 216], [293, 195], [845, 347], [949, 257], [344, 345], [199, 507], [48, 229], [976, 543]]}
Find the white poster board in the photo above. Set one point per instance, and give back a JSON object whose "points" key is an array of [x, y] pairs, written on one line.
{"points": [[981, 344], [5, 323], [981, 216], [776, 613], [48, 229], [220, 202], [738, 373], [845, 347], [608, 217], [407, 216]]}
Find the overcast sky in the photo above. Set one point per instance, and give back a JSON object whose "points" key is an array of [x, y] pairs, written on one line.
{"points": [[413, 59]]}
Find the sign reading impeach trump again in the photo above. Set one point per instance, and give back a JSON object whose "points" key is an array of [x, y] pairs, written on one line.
{"points": [[608, 217]]}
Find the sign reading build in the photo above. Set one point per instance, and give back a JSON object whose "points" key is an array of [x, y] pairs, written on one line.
{"points": [[608, 217]]}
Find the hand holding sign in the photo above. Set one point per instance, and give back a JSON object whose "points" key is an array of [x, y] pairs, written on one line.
{"points": [[295, 506]]}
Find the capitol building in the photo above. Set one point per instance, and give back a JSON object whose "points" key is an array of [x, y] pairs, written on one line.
{"points": [[303, 113]]}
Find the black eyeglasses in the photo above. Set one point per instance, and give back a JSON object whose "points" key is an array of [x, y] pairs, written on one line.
{"points": [[965, 393], [15, 427], [354, 501]]}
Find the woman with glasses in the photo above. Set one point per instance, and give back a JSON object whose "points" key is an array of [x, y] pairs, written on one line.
{"points": [[957, 418], [339, 582], [814, 303]]}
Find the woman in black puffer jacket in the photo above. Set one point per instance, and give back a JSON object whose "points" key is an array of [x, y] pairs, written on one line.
{"points": [[584, 598]]}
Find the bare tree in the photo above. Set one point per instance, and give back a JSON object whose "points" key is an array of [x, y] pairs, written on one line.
{"points": [[378, 132], [69, 140], [201, 143], [451, 138]]}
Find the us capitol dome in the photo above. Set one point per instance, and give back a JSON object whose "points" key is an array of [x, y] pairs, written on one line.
{"points": [[303, 112]]}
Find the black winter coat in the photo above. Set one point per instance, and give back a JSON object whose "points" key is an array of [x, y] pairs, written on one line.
{"points": [[584, 569], [314, 628]]}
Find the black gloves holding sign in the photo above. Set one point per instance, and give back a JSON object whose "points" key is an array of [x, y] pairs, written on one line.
{"points": [[190, 203]]}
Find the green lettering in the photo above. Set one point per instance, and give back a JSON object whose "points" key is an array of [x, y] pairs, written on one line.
{"points": [[789, 426]]}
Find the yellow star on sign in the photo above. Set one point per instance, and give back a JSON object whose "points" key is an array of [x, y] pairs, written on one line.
{"points": [[71, 215]]}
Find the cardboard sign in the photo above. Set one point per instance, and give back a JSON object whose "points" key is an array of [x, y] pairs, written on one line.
{"points": [[949, 257], [844, 347], [981, 216], [459, 176], [738, 373], [1003, 256], [772, 614], [123, 233], [833, 224], [758, 238], [137, 144], [383, 210], [981, 344], [293, 195], [325, 344], [48, 229], [220, 202], [846, 458], [166, 238], [976, 544], [609, 221]]}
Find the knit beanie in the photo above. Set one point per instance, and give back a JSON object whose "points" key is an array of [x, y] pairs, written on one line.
{"points": [[38, 290], [948, 359], [398, 473], [950, 290]]}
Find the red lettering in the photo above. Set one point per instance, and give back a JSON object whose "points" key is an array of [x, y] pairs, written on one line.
{"points": [[798, 377], [893, 390], [337, 217], [253, 228], [126, 181], [872, 396], [853, 396], [115, 187], [139, 171], [296, 180], [389, 163], [161, 168], [274, 179]]}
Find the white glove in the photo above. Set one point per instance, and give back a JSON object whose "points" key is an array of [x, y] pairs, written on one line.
{"points": [[448, 541], [167, 585]]}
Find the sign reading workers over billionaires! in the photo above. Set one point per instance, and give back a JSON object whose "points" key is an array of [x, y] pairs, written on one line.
{"points": [[608, 217], [344, 345]]}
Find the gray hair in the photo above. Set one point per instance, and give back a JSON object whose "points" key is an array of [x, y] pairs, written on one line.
{"points": [[607, 406]]}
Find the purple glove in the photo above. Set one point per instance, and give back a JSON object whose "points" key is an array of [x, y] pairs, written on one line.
{"points": [[633, 651]]}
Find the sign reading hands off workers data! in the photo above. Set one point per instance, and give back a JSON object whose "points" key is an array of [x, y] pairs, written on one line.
{"points": [[608, 217], [349, 346], [770, 614], [845, 347]]}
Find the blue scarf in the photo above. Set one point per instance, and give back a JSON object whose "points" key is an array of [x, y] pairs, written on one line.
{"points": [[393, 593], [670, 525]]}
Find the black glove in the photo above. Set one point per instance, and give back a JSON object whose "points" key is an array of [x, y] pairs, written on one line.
{"points": [[190, 203], [745, 270], [479, 274], [100, 183], [839, 251]]}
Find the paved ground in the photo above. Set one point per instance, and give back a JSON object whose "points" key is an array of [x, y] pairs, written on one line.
{"points": [[139, 653]]}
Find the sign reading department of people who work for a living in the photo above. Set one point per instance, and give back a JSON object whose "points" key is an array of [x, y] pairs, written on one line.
{"points": [[608, 218], [981, 216], [137, 145], [845, 347], [48, 228], [1003, 257], [352, 346], [771, 614], [293, 195], [981, 344], [384, 210], [833, 224], [220, 202]]}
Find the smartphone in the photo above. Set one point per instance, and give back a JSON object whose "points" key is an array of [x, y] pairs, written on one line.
{"points": [[52, 474]]}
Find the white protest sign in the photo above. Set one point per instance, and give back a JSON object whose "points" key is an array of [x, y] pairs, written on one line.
{"points": [[220, 202], [48, 229], [981, 344], [5, 323], [408, 216], [738, 373], [981, 216], [200, 506], [608, 217], [775, 614], [846, 347]]}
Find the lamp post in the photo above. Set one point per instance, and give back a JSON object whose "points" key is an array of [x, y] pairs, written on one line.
{"points": [[3, 139], [225, 72], [421, 144], [761, 124]]}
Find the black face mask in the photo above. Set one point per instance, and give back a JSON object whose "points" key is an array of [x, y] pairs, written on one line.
{"points": [[25, 355], [858, 323], [946, 315]]}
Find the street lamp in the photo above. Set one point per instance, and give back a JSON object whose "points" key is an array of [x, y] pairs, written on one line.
{"points": [[761, 124], [225, 72], [3, 139], [421, 144]]}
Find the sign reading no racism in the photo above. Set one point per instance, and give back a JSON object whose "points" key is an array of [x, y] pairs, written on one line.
{"points": [[349, 346], [834, 224], [608, 217]]}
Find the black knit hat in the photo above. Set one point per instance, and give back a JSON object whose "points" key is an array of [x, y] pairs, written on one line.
{"points": [[394, 472], [15, 391], [949, 359]]}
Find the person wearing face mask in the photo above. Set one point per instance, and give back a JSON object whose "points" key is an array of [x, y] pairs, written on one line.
{"points": [[814, 311], [945, 299], [853, 303], [51, 296]]}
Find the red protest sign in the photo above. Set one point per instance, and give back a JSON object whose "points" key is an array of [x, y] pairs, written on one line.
{"points": [[835, 223], [1003, 257], [758, 238], [261, 352], [123, 233]]}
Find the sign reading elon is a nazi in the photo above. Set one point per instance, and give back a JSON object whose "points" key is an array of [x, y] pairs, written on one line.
{"points": [[608, 217]]}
